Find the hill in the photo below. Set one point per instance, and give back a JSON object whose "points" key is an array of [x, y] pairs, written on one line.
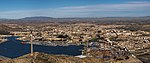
{"points": [[36, 18], [47, 58]]}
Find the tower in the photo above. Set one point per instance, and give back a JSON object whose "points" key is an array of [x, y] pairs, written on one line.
{"points": [[31, 44]]}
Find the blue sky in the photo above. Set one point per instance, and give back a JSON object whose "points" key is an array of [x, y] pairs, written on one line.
{"points": [[74, 8]]}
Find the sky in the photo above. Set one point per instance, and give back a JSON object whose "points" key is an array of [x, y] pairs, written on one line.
{"points": [[15, 9]]}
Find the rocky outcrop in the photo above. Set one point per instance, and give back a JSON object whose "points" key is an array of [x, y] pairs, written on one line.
{"points": [[47, 58], [5, 60]]}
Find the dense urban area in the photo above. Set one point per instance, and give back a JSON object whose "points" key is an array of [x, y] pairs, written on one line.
{"points": [[105, 40]]}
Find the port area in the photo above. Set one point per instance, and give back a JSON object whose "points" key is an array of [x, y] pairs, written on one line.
{"points": [[3, 38], [104, 59], [103, 50]]}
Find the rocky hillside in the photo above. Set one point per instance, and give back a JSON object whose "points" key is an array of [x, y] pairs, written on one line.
{"points": [[47, 58], [5, 60]]}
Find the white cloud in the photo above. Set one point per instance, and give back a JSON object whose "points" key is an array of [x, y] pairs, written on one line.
{"points": [[98, 10], [130, 6]]}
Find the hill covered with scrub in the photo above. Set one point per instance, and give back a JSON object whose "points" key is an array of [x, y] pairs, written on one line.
{"points": [[47, 58]]}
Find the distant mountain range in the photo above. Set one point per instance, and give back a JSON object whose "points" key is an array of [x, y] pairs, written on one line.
{"points": [[48, 18], [86, 19], [37, 18]]}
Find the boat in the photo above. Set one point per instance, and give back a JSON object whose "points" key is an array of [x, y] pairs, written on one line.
{"points": [[23, 43]]}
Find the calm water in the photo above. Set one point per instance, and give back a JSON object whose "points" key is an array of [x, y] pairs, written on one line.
{"points": [[13, 48]]}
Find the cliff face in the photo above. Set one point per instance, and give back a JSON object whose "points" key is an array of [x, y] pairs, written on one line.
{"points": [[47, 58]]}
